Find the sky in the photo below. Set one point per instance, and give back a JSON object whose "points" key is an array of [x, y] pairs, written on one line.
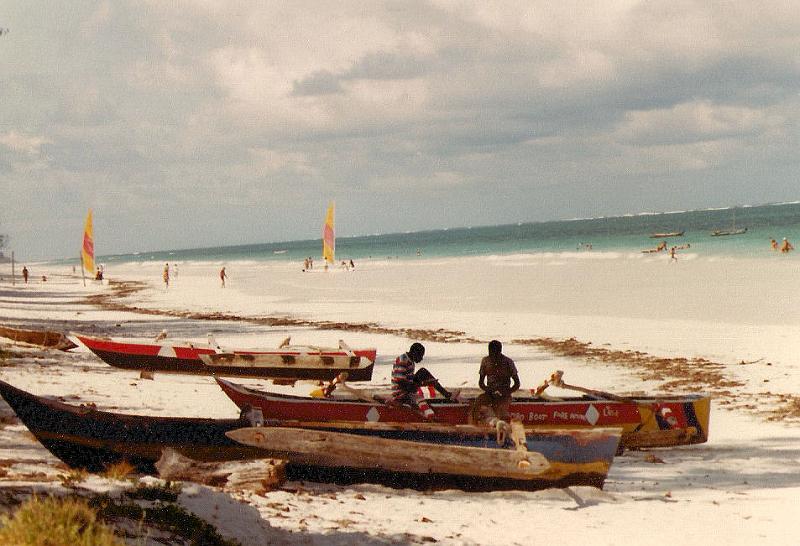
{"points": [[219, 122]]}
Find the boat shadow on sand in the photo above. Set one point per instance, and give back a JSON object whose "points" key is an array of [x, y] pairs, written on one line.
{"points": [[763, 463]]}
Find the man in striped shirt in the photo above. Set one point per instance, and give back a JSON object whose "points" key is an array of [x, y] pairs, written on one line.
{"points": [[406, 382]]}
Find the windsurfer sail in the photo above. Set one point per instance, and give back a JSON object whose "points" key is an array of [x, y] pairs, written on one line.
{"points": [[329, 236], [87, 250]]}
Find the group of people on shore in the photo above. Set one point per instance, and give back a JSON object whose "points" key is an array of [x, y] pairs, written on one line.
{"points": [[785, 246], [308, 264], [26, 275], [167, 271], [497, 378]]}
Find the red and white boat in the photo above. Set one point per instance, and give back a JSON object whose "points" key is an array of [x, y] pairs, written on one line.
{"points": [[645, 421], [285, 362]]}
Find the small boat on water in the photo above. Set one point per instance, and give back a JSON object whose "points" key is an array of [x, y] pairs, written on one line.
{"points": [[43, 338], [84, 437], [286, 362], [646, 421], [724, 232], [435, 456], [669, 234], [732, 231]]}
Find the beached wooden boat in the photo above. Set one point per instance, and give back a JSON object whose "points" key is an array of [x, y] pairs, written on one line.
{"points": [[314, 362], [669, 234], [645, 421], [434, 455], [287, 361], [43, 338], [84, 437]]}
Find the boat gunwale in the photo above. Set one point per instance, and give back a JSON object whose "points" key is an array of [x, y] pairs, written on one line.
{"points": [[283, 397]]}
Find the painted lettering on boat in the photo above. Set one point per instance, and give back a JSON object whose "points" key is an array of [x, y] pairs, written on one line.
{"points": [[531, 417], [608, 411], [568, 416]]}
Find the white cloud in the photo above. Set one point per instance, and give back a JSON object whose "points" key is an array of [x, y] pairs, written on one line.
{"points": [[275, 160], [97, 19], [694, 121], [25, 144]]}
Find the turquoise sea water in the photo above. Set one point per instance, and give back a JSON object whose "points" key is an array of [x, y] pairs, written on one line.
{"points": [[613, 234]]}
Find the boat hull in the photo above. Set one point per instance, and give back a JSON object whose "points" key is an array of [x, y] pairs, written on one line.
{"points": [[55, 340], [93, 440], [86, 438], [187, 359], [427, 456], [645, 422], [727, 232]]}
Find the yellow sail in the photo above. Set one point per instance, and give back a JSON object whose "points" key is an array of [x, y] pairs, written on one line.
{"points": [[87, 250], [329, 236]]}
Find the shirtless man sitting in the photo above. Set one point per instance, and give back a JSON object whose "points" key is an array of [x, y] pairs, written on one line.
{"points": [[498, 379]]}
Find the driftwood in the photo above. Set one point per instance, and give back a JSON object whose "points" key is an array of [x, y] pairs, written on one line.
{"points": [[256, 476], [55, 340]]}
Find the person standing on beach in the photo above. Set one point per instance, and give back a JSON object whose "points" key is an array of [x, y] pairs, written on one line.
{"points": [[786, 246], [672, 256], [498, 378], [165, 275], [774, 244], [406, 382], [223, 276], [25, 274]]}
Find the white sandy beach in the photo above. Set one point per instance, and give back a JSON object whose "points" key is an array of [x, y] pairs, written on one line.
{"points": [[739, 488]]}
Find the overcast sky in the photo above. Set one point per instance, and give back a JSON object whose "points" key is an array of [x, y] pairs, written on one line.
{"points": [[217, 122]]}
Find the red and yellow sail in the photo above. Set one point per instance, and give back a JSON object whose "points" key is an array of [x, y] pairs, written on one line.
{"points": [[329, 236], [87, 250]]}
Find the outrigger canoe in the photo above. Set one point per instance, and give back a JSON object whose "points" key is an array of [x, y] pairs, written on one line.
{"points": [[645, 421], [669, 234], [286, 362], [435, 456], [84, 437]]}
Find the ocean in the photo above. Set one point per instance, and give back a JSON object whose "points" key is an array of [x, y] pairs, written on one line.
{"points": [[629, 234]]}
